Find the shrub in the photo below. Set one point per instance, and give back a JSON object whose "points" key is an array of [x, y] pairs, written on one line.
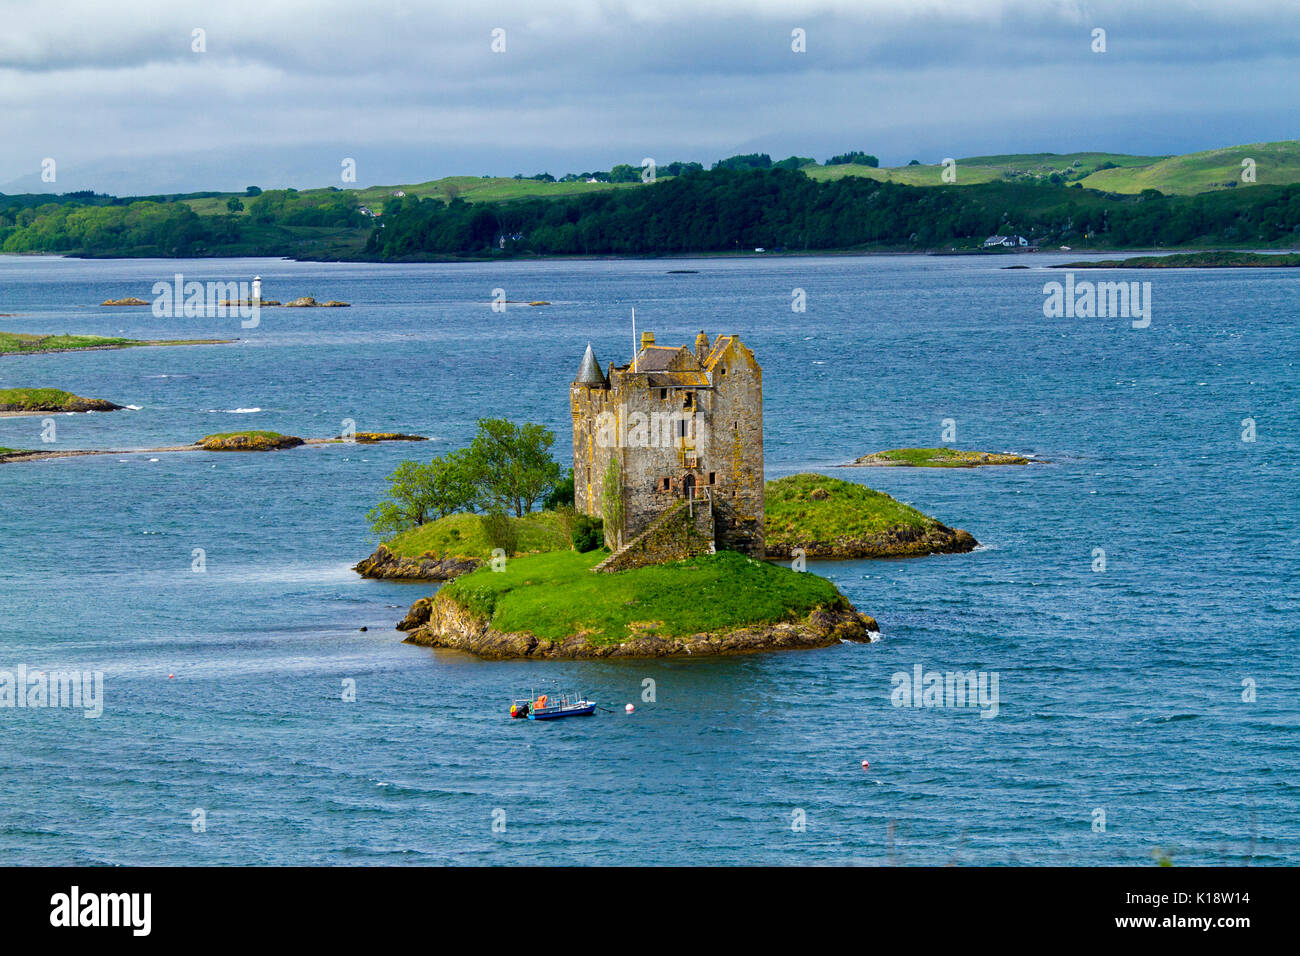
{"points": [[500, 531], [588, 533]]}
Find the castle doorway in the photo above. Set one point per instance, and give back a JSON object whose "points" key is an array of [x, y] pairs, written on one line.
{"points": [[688, 486]]}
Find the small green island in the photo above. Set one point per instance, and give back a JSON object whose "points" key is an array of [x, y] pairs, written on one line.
{"points": [[248, 441], [552, 605], [1211, 259], [21, 343], [937, 458], [33, 401]]}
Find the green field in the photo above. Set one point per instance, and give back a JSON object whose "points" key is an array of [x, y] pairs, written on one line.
{"points": [[555, 595], [463, 536], [1275, 164], [468, 188], [971, 170]]}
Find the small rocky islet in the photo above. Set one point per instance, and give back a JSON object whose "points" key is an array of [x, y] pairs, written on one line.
{"points": [[33, 401], [938, 458]]}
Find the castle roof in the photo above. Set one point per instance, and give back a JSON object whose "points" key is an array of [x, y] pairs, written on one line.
{"points": [[670, 367], [589, 372]]}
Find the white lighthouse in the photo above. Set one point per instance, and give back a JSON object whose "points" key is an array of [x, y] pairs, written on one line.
{"points": [[257, 288]]}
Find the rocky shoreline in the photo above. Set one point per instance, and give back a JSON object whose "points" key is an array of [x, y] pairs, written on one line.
{"points": [[441, 622], [900, 541], [386, 566]]}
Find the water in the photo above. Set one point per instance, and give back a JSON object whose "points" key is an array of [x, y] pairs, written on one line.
{"points": [[1120, 690]]}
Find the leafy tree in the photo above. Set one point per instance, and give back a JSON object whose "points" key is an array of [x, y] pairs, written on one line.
{"points": [[423, 492], [561, 495], [234, 205], [857, 157], [746, 161], [512, 464], [612, 501]]}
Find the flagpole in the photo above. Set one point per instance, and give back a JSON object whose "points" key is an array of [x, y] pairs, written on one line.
{"points": [[634, 338]]}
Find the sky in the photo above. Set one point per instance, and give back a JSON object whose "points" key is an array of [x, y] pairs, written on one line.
{"points": [[125, 97]]}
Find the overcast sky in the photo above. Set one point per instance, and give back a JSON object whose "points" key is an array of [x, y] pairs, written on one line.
{"points": [[287, 89]]}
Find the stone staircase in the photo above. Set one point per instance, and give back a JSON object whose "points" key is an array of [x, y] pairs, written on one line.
{"points": [[683, 530]]}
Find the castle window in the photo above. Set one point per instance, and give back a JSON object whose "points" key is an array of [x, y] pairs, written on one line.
{"points": [[689, 400], [681, 427], [713, 478], [663, 483], [723, 371], [663, 393]]}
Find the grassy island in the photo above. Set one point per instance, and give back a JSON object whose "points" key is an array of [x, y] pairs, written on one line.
{"points": [[248, 441], [458, 543], [1195, 260], [827, 518], [938, 458], [21, 343], [832, 519], [553, 605], [32, 400]]}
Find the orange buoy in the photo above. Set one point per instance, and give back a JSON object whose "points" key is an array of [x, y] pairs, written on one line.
{"points": [[629, 708], [865, 765]]}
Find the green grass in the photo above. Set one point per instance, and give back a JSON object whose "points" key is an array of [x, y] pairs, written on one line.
{"points": [[9, 451], [252, 433], [13, 343], [462, 536], [944, 458], [972, 170], [22, 342], [792, 515], [1275, 164], [39, 399], [469, 188], [555, 595]]}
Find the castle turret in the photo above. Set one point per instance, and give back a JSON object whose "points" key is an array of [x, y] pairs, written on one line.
{"points": [[589, 372], [701, 347]]}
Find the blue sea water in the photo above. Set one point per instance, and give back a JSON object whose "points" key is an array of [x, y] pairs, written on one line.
{"points": [[1120, 691]]}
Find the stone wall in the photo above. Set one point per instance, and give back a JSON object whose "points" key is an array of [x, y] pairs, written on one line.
{"points": [[681, 532]]}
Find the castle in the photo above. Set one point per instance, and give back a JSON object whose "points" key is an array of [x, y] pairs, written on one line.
{"points": [[676, 432]]}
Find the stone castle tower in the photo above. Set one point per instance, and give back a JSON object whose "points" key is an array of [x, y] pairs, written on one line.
{"points": [[676, 424]]}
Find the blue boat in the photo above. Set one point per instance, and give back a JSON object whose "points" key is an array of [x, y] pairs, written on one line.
{"points": [[547, 708]]}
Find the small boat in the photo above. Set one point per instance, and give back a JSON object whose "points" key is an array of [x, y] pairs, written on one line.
{"points": [[549, 707]]}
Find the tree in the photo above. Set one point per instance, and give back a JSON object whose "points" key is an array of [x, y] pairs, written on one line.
{"points": [[612, 503], [234, 205], [561, 494], [423, 492], [512, 464]]}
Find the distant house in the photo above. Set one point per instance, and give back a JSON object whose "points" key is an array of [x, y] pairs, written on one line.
{"points": [[1007, 242], [399, 194], [365, 211]]}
